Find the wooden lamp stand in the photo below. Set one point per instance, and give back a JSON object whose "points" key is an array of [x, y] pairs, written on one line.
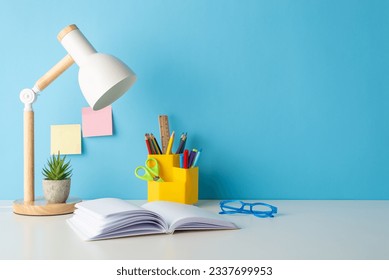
{"points": [[103, 79], [29, 205]]}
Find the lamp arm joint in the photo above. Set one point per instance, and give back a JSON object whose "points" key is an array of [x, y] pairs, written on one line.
{"points": [[28, 97]]}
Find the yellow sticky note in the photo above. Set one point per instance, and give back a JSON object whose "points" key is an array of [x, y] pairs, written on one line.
{"points": [[66, 139]]}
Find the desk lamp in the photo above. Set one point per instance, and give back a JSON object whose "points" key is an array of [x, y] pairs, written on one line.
{"points": [[102, 78]]}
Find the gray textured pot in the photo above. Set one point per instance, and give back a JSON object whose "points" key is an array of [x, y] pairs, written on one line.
{"points": [[56, 191]]}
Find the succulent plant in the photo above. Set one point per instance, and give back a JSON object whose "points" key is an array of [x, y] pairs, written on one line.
{"points": [[57, 168]]}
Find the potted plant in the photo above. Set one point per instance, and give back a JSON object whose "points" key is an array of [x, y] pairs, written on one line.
{"points": [[56, 182]]}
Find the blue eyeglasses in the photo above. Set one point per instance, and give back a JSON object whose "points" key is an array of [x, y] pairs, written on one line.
{"points": [[258, 209]]}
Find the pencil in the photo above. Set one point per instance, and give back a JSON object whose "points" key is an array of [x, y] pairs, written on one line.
{"points": [[170, 145], [181, 146], [157, 148], [148, 144], [152, 146]]}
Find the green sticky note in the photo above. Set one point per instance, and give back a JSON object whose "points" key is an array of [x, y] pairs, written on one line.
{"points": [[66, 139]]}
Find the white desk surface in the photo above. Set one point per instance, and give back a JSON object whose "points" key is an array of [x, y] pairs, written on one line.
{"points": [[318, 230]]}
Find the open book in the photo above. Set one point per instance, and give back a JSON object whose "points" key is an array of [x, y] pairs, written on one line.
{"points": [[111, 218]]}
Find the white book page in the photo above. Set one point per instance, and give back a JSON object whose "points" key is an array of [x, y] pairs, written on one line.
{"points": [[85, 234], [183, 216], [112, 217], [103, 207]]}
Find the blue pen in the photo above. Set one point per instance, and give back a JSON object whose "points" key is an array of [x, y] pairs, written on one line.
{"points": [[197, 158], [182, 160]]}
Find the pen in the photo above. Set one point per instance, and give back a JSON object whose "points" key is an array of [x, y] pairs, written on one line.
{"points": [[186, 152], [182, 160], [192, 156], [170, 144], [196, 158]]}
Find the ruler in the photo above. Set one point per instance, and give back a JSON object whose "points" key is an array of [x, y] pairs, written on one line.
{"points": [[164, 131]]}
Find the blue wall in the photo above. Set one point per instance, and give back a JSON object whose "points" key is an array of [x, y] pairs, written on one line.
{"points": [[288, 99]]}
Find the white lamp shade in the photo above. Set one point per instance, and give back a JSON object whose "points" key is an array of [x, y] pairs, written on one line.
{"points": [[103, 79]]}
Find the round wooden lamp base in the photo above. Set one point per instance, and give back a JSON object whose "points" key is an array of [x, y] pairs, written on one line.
{"points": [[40, 207]]}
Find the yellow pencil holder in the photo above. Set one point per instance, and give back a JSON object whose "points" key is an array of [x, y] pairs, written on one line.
{"points": [[180, 185]]}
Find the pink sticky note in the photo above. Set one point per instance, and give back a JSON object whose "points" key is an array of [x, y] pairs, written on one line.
{"points": [[96, 123]]}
